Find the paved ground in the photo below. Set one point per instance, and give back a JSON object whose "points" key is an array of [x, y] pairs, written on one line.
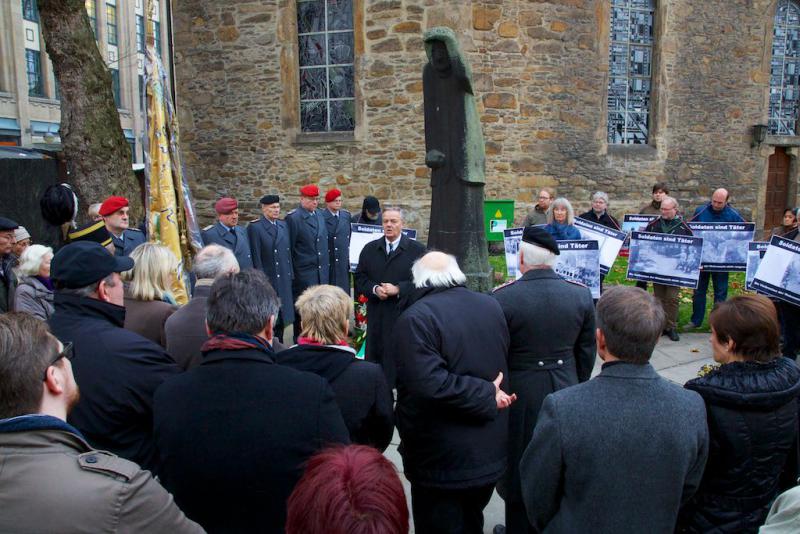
{"points": [[678, 362]]}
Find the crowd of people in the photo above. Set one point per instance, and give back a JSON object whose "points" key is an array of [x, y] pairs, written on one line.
{"points": [[122, 411]]}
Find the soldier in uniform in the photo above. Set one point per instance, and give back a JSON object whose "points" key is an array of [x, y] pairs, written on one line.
{"points": [[308, 237], [269, 243], [338, 223], [114, 211], [551, 323], [227, 233]]}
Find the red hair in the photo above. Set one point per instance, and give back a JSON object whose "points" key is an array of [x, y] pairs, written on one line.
{"points": [[348, 490]]}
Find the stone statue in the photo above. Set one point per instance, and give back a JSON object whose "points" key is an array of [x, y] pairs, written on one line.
{"points": [[455, 153]]}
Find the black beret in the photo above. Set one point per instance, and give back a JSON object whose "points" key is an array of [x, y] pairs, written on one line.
{"points": [[266, 200], [7, 224], [86, 262], [536, 235]]}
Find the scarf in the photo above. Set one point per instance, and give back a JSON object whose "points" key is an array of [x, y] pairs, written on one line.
{"points": [[236, 341], [46, 282], [302, 340]]}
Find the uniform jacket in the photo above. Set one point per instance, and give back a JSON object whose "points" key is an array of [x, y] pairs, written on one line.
{"points": [[706, 213], [562, 232], [618, 453], [551, 323], [752, 417], [234, 434], [536, 216], [360, 387], [308, 237], [52, 481], [118, 371], [219, 235], [147, 318], [451, 345], [34, 298], [272, 253], [605, 219], [339, 248], [674, 226], [374, 268], [131, 238], [8, 283]]}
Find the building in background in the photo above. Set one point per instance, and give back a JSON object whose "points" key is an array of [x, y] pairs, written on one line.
{"points": [[30, 112]]}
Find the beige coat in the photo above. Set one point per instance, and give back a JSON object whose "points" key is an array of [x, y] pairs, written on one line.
{"points": [[52, 481]]}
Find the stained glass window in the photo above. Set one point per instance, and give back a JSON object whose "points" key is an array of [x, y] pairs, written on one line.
{"points": [[326, 50], [630, 64], [784, 81]]}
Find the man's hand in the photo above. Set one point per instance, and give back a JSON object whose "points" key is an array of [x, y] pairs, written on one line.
{"points": [[502, 398], [380, 292], [391, 290]]}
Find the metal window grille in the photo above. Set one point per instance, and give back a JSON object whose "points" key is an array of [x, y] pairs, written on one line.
{"points": [[784, 81]]}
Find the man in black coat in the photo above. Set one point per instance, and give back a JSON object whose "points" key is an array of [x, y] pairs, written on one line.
{"points": [[383, 275], [117, 370], [234, 434], [8, 280], [623, 451], [272, 253], [338, 223], [551, 323], [451, 359]]}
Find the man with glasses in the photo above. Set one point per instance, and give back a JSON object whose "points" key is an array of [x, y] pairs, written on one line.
{"points": [[8, 281], [118, 370], [538, 215], [52, 479]]}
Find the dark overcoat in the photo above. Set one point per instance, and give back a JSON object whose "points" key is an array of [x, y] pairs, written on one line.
{"points": [[272, 253], [451, 344], [234, 434], [131, 238], [374, 268], [308, 237], [551, 323], [339, 248], [219, 235], [619, 453]]}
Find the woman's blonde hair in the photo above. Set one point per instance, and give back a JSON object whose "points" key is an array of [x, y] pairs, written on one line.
{"points": [[151, 276], [31, 259], [324, 312]]}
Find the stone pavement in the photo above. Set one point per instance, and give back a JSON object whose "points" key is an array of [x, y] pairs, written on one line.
{"points": [[675, 361]]}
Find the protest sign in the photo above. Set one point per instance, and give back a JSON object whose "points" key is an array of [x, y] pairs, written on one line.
{"points": [[755, 251], [609, 240], [778, 275], [724, 244], [511, 239], [636, 223], [579, 261], [672, 260], [361, 234]]}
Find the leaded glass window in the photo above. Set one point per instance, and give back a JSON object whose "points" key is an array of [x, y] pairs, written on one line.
{"points": [[327, 57], [91, 11], [33, 64], [111, 23], [630, 65], [784, 92]]}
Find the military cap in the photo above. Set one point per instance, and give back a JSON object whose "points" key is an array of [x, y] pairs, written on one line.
{"points": [[96, 232], [85, 262], [226, 205], [7, 224], [332, 195], [310, 190], [266, 200], [112, 204], [536, 235]]}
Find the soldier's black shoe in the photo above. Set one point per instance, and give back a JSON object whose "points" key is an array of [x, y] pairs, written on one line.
{"points": [[673, 334]]}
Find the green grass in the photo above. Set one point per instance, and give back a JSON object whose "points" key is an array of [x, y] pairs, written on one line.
{"points": [[617, 277]]}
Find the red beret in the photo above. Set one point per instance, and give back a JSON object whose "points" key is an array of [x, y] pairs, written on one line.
{"points": [[332, 195], [310, 190], [112, 204], [226, 205]]}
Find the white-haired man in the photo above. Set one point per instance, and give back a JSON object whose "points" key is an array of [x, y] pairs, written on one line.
{"points": [[551, 324], [186, 328], [450, 397]]}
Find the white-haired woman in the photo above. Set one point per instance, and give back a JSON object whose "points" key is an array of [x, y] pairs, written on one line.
{"points": [[599, 212], [148, 301], [34, 293], [560, 219]]}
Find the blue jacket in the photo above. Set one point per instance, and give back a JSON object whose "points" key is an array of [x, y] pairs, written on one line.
{"points": [[562, 232], [706, 213], [239, 245]]}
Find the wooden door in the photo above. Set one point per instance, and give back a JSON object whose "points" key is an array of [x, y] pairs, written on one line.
{"points": [[777, 189]]}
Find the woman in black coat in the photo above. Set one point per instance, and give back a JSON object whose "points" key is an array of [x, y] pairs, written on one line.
{"points": [[364, 398], [751, 400]]}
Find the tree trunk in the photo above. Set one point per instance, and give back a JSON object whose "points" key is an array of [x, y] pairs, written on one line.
{"points": [[97, 153]]}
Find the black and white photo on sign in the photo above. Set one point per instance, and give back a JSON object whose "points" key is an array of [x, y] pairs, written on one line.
{"points": [[755, 252], [609, 240], [724, 245], [635, 222], [361, 234], [511, 239], [778, 275], [579, 261], [671, 260]]}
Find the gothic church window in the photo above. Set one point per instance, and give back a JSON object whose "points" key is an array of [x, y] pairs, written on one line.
{"points": [[630, 71], [326, 57], [784, 81]]}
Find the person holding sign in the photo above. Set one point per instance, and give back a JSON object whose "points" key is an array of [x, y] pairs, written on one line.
{"points": [[560, 219], [599, 212], [669, 223], [718, 210]]}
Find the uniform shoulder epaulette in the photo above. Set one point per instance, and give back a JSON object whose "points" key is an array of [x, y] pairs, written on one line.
{"points": [[291, 211], [571, 281], [107, 464], [501, 286], [254, 221], [209, 227], [134, 230]]}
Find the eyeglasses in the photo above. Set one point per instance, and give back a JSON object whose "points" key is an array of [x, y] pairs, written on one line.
{"points": [[66, 352]]}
